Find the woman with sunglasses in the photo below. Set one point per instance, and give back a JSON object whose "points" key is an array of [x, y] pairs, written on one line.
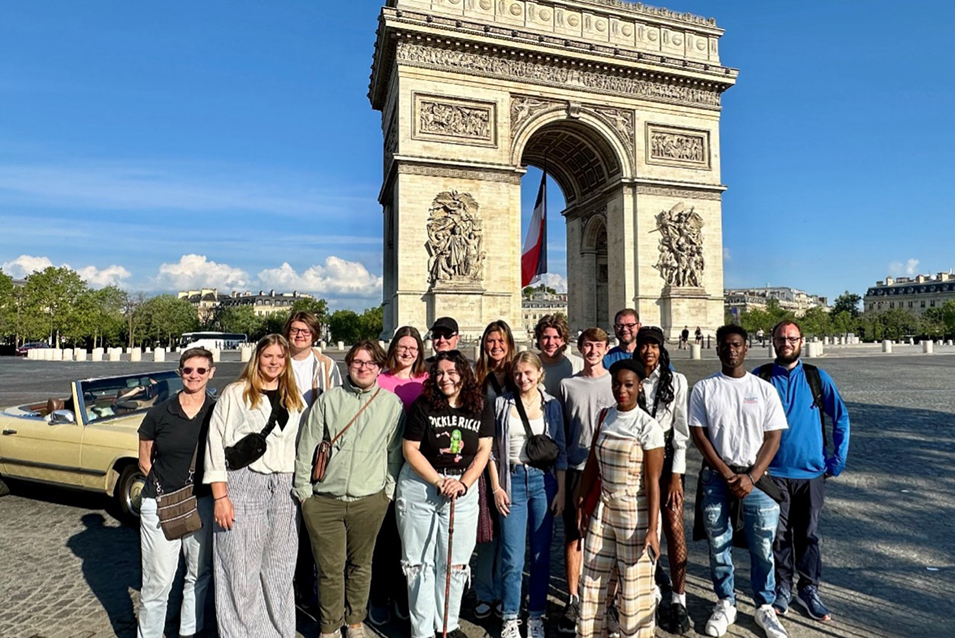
{"points": [[256, 531], [664, 397], [171, 449], [405, 375], [493, 375], [344, 511], [447, 443], [526, 496]]}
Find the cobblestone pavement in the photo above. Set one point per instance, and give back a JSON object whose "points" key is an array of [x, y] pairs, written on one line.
{"points": [[69, 569]]}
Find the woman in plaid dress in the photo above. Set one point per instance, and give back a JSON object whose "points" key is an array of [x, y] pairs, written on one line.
{"points": [[624, 465]]}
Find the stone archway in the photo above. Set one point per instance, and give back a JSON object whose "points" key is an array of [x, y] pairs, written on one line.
{"points": [[622, 103]]}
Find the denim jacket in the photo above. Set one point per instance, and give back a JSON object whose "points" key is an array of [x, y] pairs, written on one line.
{"points": [[500, 453]]}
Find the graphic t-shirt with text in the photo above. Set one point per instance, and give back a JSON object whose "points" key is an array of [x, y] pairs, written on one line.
{"points": [[449, 437]]}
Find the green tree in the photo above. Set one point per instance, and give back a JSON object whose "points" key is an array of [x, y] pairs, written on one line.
{"points": [[275, 322], [848, 302], [318, 307], [371, 322], [843, 322], [166, 317], [8, 305], [816, 322], [932, 323], [131, 304], [241, 319], [345, 325], [948, 317], [899, 320], [51, 296]]}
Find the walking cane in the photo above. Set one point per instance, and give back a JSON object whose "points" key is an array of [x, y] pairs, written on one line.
{"points": [[447, 583]]}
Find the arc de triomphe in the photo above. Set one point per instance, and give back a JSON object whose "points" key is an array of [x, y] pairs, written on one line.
{"points": [[622, 102]]}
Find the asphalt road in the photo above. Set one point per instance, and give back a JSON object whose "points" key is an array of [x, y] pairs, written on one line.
{"points": [[69, 569]]}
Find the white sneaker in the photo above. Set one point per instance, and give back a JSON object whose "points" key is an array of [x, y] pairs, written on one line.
{"points": [[511, 629], [724, 615], [535, 628], [766, 618]]}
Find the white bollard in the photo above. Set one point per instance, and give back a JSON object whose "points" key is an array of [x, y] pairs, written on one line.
{"points": [[428, 347], [115, 354], [159, 354], [696, 351], [771, 352], [322, 344], [911, 341], [245, 354], [887, 346], [928, 347], [48, 354], [135, 354], [97, 354], [79, 354], [383, 345], [522, 348], [341, 345], [813, 349], [56, 354], [948, 343], [477, 353], [216, 355]]}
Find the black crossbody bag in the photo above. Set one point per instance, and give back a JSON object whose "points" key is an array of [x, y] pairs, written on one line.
{"points": [[541, 450], [252, 446]]}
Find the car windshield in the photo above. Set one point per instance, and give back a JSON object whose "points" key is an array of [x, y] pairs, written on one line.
{"points": [[118, 396]]}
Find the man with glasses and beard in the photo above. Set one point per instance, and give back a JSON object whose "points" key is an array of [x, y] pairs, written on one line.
{"points": [[444, 337], [802, 465], [626, 325]]}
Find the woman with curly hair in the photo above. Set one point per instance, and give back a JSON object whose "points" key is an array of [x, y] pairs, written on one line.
{"points": [[447, 442], [664, 397]]}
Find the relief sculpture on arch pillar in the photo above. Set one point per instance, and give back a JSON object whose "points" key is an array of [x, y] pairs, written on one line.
{"points": [[524, 108], [681, 247], [455, 240]]}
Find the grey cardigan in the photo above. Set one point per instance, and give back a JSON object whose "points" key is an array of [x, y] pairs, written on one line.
{"points": [[553, 419]]}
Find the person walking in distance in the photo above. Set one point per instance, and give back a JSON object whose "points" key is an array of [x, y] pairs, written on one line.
{"points": [[626, 324], [802, 465], [343, 510], [551, 334], [736, 420], [447, 442], [172, 440], [664, 397], [405, 375], [314, 374], [256, 523], [685, 338], [583, 397]]}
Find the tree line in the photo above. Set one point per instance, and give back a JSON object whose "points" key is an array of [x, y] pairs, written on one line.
{"points": [[57, 306], [845, 317]]}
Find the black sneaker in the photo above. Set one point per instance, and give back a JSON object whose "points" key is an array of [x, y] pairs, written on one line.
{"points": [[613, 622], [455, 633], [679, 619], [567, 624]]}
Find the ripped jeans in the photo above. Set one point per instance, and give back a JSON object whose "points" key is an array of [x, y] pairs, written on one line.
{"points": [[423, 519], [760, 518]]}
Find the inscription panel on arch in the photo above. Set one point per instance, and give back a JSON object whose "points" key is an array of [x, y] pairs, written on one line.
{"points": [[671, 146], [454, 120]]}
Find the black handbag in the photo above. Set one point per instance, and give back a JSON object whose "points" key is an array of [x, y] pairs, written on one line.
{"points": [[252, 446], [541, 450]]}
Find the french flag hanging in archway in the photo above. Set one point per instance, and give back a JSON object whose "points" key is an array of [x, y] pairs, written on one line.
{"points": [[534, 254]]}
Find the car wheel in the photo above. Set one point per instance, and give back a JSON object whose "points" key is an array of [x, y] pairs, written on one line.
{"points": [[129, 489], [4, 490]]}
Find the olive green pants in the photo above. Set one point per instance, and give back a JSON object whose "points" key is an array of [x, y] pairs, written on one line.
{"points": [[343, 537]]}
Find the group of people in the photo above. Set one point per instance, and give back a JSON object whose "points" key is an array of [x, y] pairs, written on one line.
{"points": [[408, 467]]}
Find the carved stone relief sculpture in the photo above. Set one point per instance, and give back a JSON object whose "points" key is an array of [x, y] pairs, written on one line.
{"points": [[455, 120], [681, 247], [679, 147], [455, 239]]}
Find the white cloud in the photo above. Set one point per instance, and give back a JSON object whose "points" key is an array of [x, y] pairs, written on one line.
{"points": [[197, 271], [96, 277], [726, 254], [552, 280], [24, 265], [336, 278], [910, 267]]}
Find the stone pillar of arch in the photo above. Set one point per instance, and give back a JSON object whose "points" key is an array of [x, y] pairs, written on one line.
{"points": [[619, 101]]}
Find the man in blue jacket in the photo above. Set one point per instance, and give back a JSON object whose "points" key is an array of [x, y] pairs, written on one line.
{"points": [[802, 465]]}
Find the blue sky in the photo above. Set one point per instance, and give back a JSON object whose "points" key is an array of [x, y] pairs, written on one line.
{"points": [[169, 145]]}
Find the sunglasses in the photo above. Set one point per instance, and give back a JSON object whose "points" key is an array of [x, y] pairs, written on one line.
{"points": [[452, 355], [199, 371]]}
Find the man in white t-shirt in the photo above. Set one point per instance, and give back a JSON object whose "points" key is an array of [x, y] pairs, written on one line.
{"points": [[551, 334], [736, 420]]}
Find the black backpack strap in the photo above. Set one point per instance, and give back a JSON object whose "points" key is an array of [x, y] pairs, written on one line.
{"points": [[815, 385], [765, 371]]}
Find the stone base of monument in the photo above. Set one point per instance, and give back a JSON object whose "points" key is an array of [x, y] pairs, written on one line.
{"points": [[679, 306], [463, 300]]}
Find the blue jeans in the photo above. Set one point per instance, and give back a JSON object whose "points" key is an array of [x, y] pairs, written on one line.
{"points": [[423, 519], [487, 572], [160, 562], [531, 494], [760, 518]]}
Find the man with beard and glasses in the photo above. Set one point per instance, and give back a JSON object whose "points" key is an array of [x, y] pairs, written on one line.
{"points": [[736, 420], [626, 324], [802, 465]]}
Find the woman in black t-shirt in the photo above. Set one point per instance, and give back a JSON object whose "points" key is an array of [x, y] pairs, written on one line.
{"points": [[447, 443]]}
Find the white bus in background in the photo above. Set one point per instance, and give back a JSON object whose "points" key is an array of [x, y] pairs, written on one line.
{"points": [[212, 340]]}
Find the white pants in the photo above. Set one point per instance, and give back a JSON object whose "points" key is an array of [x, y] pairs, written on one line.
{"points": [[160, 563]]}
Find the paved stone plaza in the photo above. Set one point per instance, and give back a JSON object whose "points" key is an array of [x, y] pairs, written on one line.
{"points": [[70, 570]]}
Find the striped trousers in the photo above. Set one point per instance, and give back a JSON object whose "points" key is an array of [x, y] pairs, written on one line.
{"points": [[255, 560]]}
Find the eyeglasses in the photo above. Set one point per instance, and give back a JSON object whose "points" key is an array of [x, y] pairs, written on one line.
{"points": [[359, 364], [791, 340], [407, 349], [628, 326], [199, 371], [299, 331], [447, 336]]}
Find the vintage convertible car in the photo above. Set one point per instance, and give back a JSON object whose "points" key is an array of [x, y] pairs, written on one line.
{"points": [[86, 439]]}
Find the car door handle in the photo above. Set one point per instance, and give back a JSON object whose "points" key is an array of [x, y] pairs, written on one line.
{"points": [[8, 432]]}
